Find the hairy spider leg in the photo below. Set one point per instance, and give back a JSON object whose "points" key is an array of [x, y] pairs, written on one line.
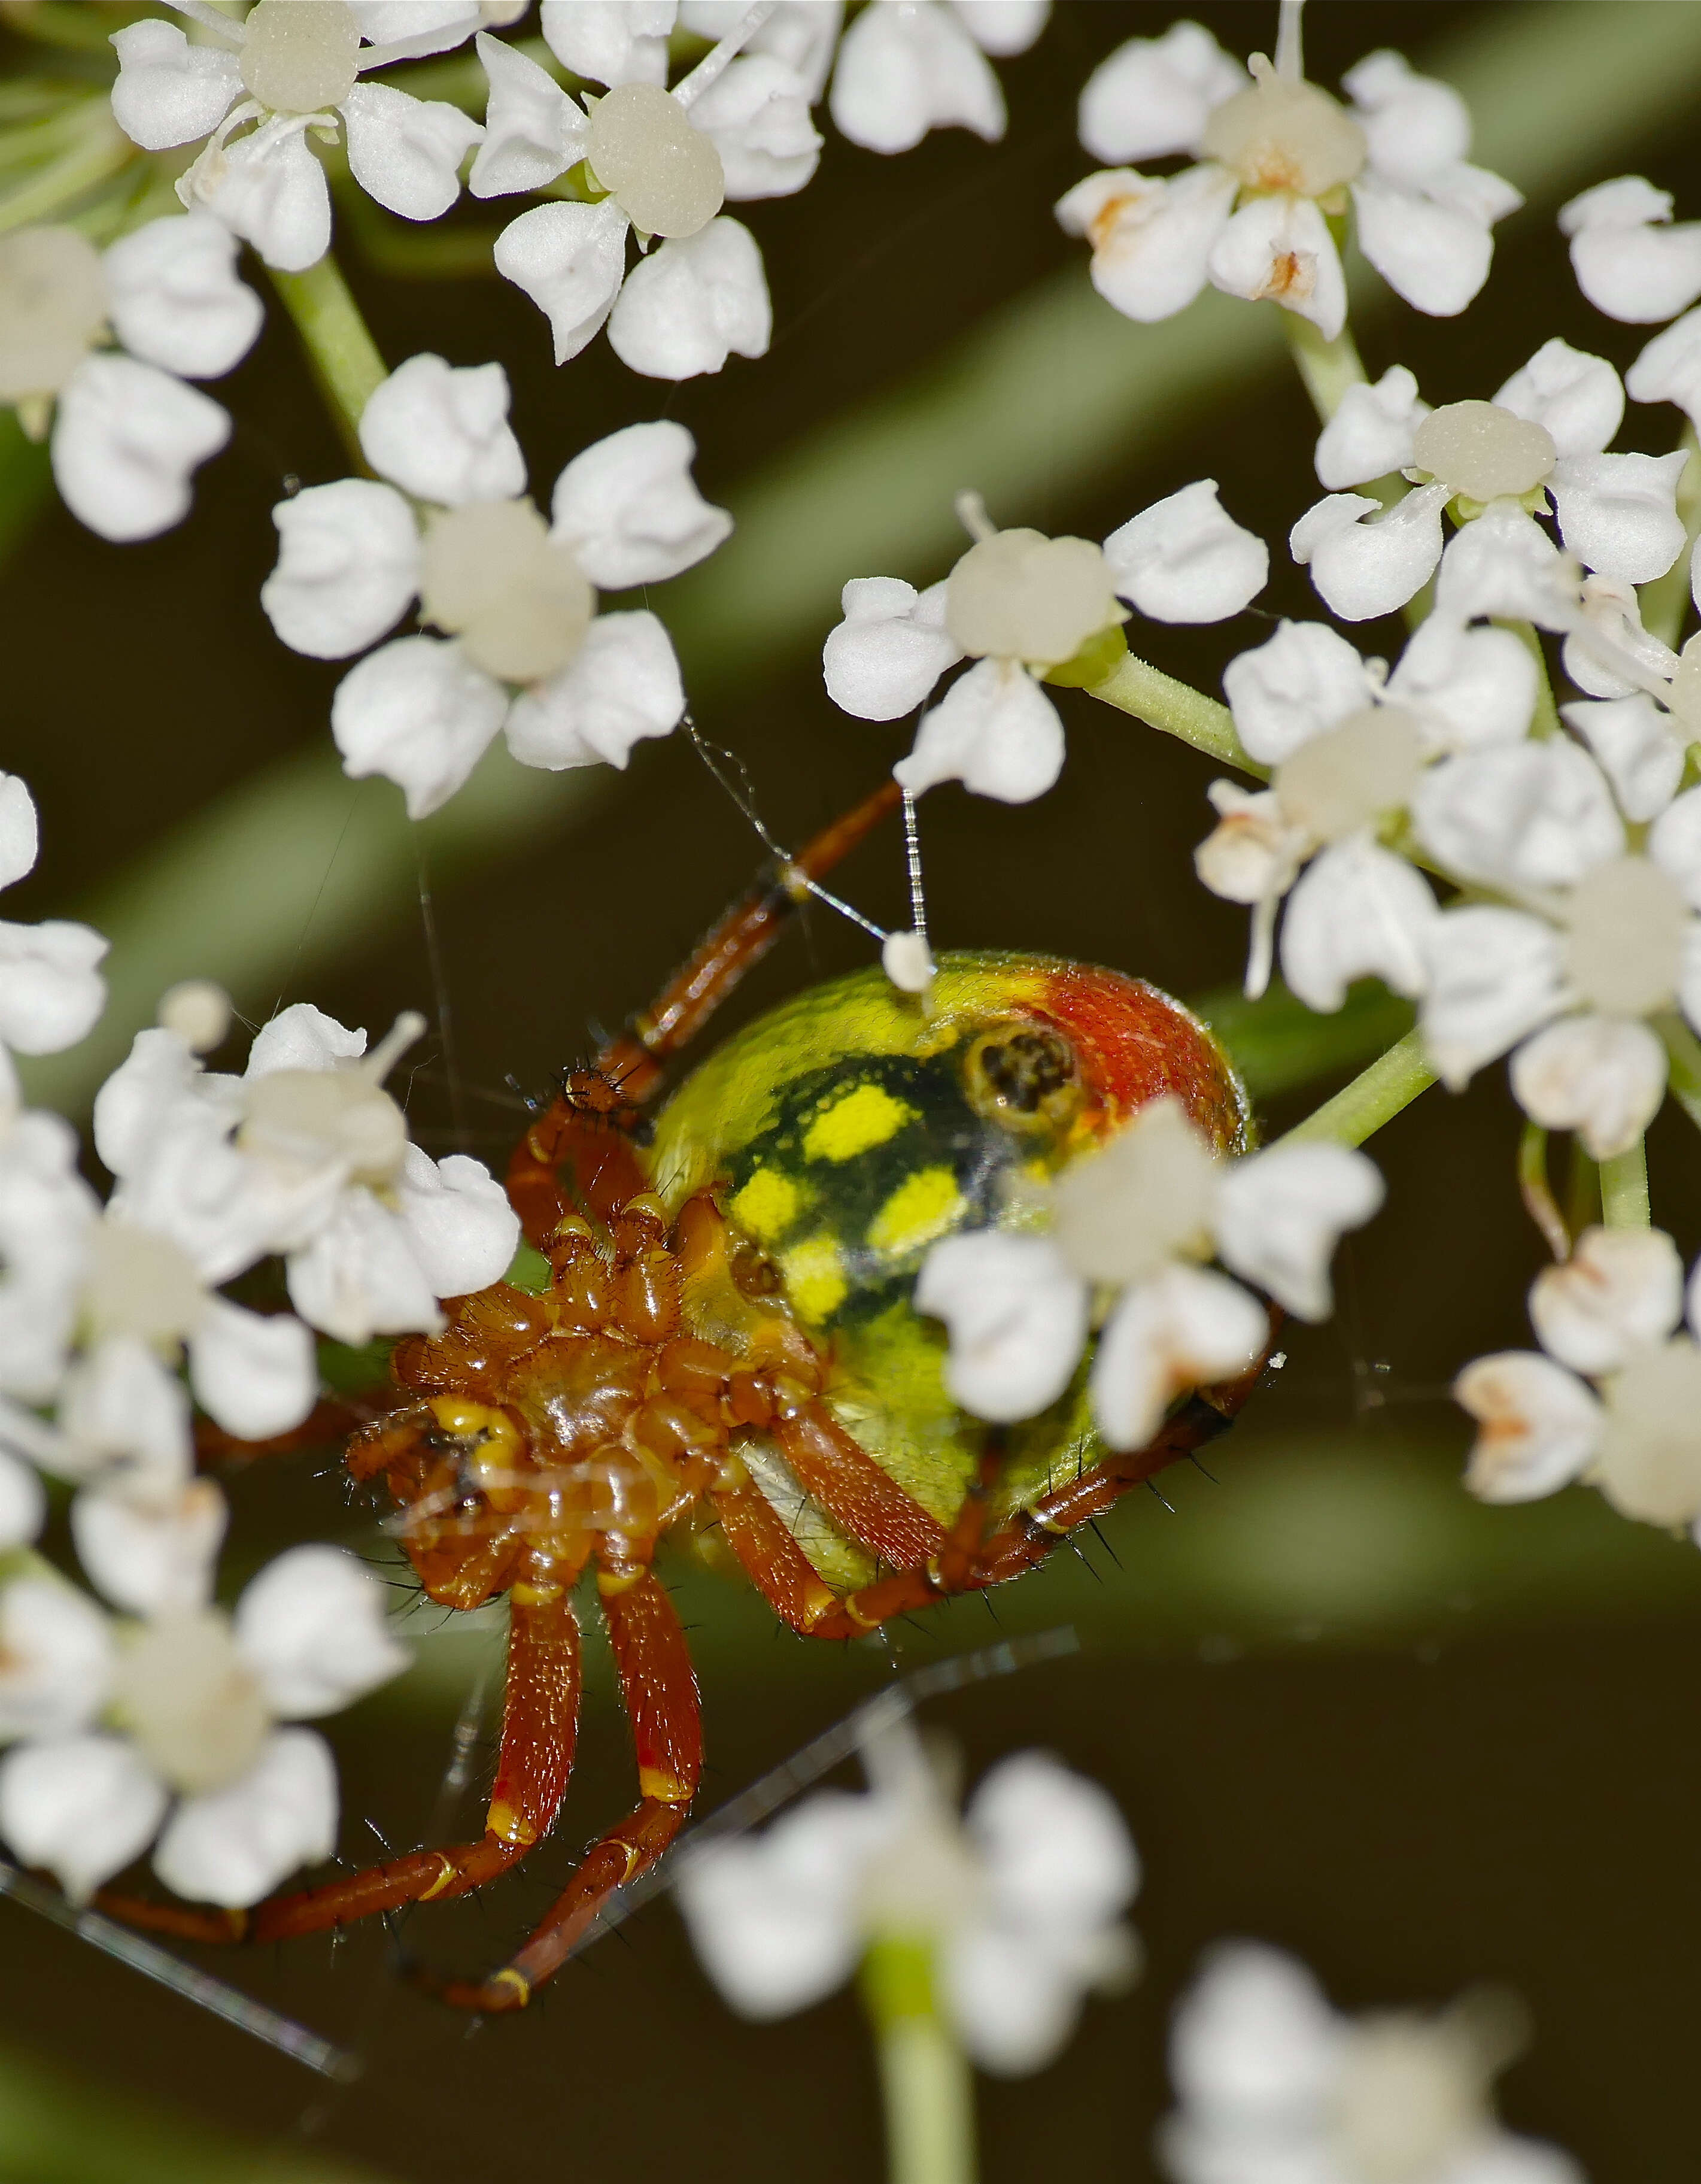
{"points": [[659, 1686], [540, 1721], [589, 1137]]}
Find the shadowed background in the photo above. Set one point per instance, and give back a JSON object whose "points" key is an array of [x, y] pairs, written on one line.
{"points": [[1419, 1742]]}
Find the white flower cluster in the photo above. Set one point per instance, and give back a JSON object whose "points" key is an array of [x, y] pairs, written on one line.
{"points": [[1614, 1394], [1022, 605], [1129, 1227], [1277, 159], [1018, 1903], [1276, 2086], [446, 523]]}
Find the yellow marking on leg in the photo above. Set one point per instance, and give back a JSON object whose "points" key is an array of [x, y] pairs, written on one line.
{"points": [[510, 1824], [664, 1788], [634, 1858], [612, 1583], [444, 1878], [856, 1615], [517, 1980], [924, 1207], [857, 1123]]}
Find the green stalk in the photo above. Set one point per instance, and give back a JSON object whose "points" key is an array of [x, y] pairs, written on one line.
{"points": [[344, 357], [1545, 722], [1539, 1202], [925, 2083], [1624, 1188], [1328, 368], [1665, 601], [1375, 1096], [1176, 708], [1684, 1057]]}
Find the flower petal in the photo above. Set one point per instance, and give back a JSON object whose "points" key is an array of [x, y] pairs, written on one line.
{"points": [[272, 191], [51, 993], [1414, 125], [1153, 96], [621, 686], [691, 304], [151, 1557], [314, 1629], [404, 151], [348, 567], [1577, 398], [532, 131], [570, 259], [1603, 1077], [1669, 369], [233, 1846], [995, 731], [882, 660], [46, 1211], [1255, 2050], [360, 1275], [169, 91], [1371, 433], [1279, 247], [1532, 815], [1280, 1213], [420, 714], [256, 1374], [81, 1808], [1618, 513], [609, 42], [1302, 681], [1505, 565], [20, 837], [1621, 1290], [1365, 568], [1674, 843], [441, 432], [56, 1658], [630, 510], [1017, 1316], [804, 34], [1358, 911], [1639, 748], [903, 70], [1186, 560], [23, 1500], [1183, 1329], [1151, 236], [127, 440], [127, 1417], [460, 1226], [1628, 262], [1435, 253], [1494, 975], [175, 299], [1467, 687], [1538, 1425], [756, 115]]}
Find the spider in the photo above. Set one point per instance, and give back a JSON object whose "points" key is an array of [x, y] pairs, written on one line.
{"points": [[726, 1345]]}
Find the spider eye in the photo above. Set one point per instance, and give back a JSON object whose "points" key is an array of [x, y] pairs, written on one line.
{"points": [[1025, 1078]]}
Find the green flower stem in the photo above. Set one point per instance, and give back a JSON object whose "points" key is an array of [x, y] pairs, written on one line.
{"points": [[1375, 1096], [1328, 368], [1539, 1202], [1624, 1188], [1546, 719], [1176, 708], [1665, 601], [1683, 1056], [343, 354], [924, 2078]]}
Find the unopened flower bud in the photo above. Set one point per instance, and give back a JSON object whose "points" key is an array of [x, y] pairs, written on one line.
{"points": [[664, 175], [300, 56]]}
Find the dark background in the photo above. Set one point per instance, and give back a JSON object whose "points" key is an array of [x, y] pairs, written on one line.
{"points": [[1415, 1779]]}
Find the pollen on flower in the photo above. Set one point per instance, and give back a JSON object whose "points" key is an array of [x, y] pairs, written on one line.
{"points": [[53, 308], [491, 575], [300, 56], [1483, 451], [1624, 943], [1283, 135], [1019, 595], [665, 175], [1348, 776]]}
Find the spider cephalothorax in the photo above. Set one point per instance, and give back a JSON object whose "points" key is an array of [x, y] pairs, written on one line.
{"points": [[726, 1343]]}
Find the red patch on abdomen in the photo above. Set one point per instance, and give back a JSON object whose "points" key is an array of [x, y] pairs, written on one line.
{"points": [[1135, 1045]]}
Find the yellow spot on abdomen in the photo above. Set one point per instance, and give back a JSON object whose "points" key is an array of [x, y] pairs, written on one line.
{"points": [[814, 1277], [918, 1212], [767, 1205], [867, 1116]]}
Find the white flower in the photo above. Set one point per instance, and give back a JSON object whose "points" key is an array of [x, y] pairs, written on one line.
{"points": [[1349, 752], [512, 593], [1630, 261], [50, 991], [1021, 605], [1018, 1903], [293, 72], [308, 1156], [1609, 939], [1539, 441], [1135, 1218], [665, 162], [1277, 155], [907, 66], [127, 434], [1275, 2085], [112, 1724], [1616, 1396], [804, 34]]}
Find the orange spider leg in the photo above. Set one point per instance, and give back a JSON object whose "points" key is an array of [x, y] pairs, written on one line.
{"points": [[584, 1130], [837, 1473], [774, 1563], [539, 1721], [659, 1688]]}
